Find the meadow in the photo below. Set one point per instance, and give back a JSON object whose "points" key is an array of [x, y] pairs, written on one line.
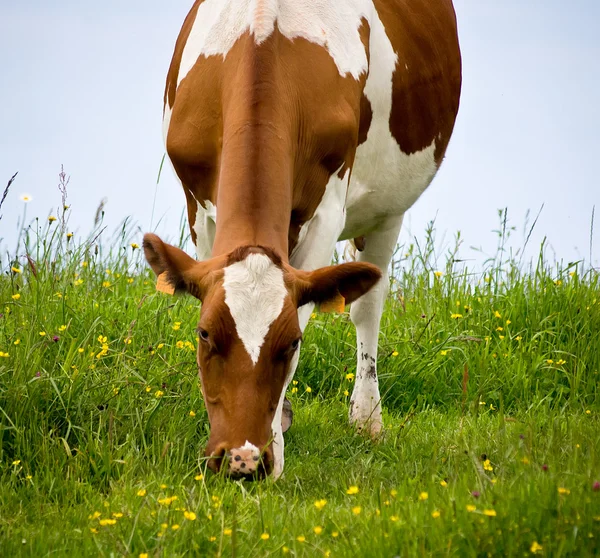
{"points": [[491, 407]]}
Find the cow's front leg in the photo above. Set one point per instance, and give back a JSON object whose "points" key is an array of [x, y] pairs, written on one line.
{"points": [[365, 403], [277, 424]]}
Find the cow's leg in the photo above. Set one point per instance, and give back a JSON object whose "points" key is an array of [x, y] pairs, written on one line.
{"points": [[313, 251], [365, 404]]}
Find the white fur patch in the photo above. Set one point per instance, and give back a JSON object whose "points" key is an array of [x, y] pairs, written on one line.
{"points": [[254, 293], [205, 228], [385, 181], [220, 23], [250, 447]]}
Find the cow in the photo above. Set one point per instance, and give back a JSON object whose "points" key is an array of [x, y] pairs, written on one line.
{"points": [[292, 125]]}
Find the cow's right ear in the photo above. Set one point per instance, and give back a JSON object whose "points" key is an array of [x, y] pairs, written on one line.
{"points": [[175, 267]]}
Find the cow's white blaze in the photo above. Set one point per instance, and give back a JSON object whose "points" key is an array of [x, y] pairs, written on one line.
{"points": [[220, 23], [254, 293]]}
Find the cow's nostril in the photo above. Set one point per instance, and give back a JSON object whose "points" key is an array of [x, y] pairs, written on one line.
{"points": [[238, 458]]}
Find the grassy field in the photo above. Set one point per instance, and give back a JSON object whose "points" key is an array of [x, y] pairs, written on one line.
{"points": [[490, 391]]}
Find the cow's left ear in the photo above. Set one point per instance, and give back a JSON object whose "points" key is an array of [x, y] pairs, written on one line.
{"points": [[176, 269], [350, 280]]}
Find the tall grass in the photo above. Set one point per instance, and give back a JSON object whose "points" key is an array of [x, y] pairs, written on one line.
{"points": [[489, 381]]}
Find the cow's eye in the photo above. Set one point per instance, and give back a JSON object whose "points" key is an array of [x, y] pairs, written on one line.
{"points": [[203, 334], [295, 344]]}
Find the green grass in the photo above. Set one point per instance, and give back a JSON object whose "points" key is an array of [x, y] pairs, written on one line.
{"points": [[496, 419]]}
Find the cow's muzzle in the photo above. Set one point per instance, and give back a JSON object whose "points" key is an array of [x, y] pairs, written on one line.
{"points": [[244, 462]]}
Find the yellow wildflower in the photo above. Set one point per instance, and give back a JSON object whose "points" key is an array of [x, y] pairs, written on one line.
{"points": [[320, 504], [16, 296], [423, 496], [17, 341], [158, 393], [191, 516], [16, 269], [443, 483], [536, 547], [42, 333], [51, 219], [395, 353], [487, 465], [563, 491], [117, 515], [265, 537], [318, 530], [471, 508], [198, 477], [435, 514], [394, 518], [104, 522], [300, 538], [352, 490], [167, 501], [106, 284], [141, 492], [438, 274], [308, 389], [350, 376], [356, 510], [227, 532], [175, 527], [489, 513], [135, 245], [456, 316], [497, 314], [16, 462]]}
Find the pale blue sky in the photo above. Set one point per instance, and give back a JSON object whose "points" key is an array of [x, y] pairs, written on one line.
{"points": [[83, 85]]}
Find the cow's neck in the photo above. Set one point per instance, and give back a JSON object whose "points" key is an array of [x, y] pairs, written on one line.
{"points": [[254, 198]]}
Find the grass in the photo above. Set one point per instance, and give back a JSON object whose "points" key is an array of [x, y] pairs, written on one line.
{"points": [[490, 391]]}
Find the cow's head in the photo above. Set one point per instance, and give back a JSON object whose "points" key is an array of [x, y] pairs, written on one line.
{"points": [[248, 334]]}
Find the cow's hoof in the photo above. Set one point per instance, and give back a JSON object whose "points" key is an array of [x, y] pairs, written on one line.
{"points": [[287, 415], [367, 421]]}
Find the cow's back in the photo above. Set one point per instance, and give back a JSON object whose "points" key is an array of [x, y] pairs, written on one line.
{"points": [[404, 119]]}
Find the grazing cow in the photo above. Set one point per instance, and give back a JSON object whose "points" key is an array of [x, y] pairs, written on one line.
{"points": [[293, 124]]}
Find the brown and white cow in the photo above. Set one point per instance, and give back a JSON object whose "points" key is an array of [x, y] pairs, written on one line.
{"points": [[297, 123]]}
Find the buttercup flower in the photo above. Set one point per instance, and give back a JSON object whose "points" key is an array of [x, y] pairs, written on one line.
{"points": [[352, 490]]}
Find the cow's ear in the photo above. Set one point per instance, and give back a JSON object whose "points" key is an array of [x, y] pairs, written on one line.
{"points": [[325, 285], [174, 267]]}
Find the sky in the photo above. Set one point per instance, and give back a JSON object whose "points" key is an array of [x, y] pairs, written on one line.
{"points": [[83, 87]]}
